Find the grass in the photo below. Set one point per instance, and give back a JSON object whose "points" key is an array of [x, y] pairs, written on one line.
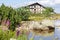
{"points": [[38, 17], [6, 35], [22, 37]]}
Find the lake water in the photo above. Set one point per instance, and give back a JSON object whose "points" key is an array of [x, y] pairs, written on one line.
{"points": [[55, 36]]}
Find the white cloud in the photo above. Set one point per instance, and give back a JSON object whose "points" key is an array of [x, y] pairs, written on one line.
{"points": [[57, 1], [51, 2], [46, 2]]}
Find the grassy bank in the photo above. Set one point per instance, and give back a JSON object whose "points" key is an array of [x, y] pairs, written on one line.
{"points": [[37, 17]]}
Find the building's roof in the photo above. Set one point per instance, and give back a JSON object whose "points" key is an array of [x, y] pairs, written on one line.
{"points": [[33, 4], [36, 4]]}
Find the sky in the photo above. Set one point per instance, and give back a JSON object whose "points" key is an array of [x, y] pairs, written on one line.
{"points": [[55, 4]]}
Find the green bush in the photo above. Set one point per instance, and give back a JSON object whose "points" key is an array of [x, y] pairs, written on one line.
{"points": [[13, 16], [6, 35], [24, 13]]}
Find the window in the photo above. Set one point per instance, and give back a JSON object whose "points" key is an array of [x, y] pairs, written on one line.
{"points": [[31, 6]]}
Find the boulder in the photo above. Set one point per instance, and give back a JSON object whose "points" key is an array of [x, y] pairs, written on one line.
{"points": [[48, 22]]}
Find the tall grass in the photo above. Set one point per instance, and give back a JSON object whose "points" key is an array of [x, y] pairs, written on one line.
{"points": [[6, 35]]}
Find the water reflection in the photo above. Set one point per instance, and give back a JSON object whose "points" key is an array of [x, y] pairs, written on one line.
{"points": [[55, 35], [38, 37], [49, 30], [57, 32]]}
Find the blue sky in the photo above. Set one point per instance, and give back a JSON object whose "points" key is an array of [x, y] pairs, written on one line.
{"points": [[18, 3]]}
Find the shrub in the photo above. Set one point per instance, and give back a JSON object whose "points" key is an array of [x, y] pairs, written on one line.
{"points": [[24, 13], [6, 35]]}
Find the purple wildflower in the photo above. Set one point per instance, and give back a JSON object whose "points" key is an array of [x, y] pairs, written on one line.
{"points": [[7, 22], [18, 32]]}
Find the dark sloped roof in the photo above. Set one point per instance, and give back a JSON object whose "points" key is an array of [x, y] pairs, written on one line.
{"points": [[36, 4]]}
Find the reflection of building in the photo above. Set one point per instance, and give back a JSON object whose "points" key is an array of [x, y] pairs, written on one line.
{"points": [[36, 8]]}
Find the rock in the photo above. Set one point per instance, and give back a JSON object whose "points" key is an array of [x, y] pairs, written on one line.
{"points": [[51, 29], [44, 27], [48, 23]]}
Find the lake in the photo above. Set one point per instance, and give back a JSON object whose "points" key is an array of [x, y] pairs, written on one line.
{"points": [[55, 36]]}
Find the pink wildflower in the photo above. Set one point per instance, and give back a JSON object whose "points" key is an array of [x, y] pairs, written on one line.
{"points": [[7, 22]]}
